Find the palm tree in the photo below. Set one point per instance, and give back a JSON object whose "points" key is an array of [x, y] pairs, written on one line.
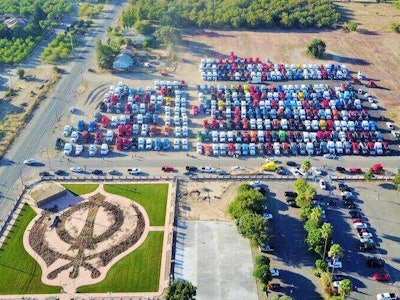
{"points": [[326, 233], [335, 252]]}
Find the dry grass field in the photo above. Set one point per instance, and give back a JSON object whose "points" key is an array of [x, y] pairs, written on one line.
{"points": [[373, 49]]}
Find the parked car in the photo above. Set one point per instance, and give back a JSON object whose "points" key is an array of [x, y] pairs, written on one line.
{"points": [[60, 172], [115, 173], [322, 184], [78, 149], [266, 249], [134, 171], [167, 169], [207, 169], [274, 272], [98, 172], [67, 149], [375, 262], [30, 161], [381, 277], [191, 168], [76, 169], [355, 170], [45, 174]]}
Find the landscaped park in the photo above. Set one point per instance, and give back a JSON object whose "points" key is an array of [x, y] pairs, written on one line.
{"points": [[96, 238]]}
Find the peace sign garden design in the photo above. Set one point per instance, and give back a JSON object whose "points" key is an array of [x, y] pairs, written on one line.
{"points": [[107, 240]]}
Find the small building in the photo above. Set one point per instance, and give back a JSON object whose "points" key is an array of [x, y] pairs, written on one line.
{"points": [[122, 62], [139, 39], [11, 21], [46, 192]]}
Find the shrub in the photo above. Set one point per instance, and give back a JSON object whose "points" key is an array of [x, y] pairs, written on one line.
{"points": [[395, 27], [316, 48], [144, 27], [244, 187], [21, 73], [351, 26]]}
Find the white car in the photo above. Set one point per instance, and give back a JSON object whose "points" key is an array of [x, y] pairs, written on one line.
{"points": [[274, 272], [104, 149], [74, 136], [76, 169], [360, 225], [207, 169], [374, 106], [185, 144], [238, 168], [267, 216], [317, 171], [134, 171], [365, 235], [256, 183], [67, 148], [78, 149], [336, 264], [389, 125], [67, 130], [30, 161], [176, 144], [347, 194], [322, 184], [92, 150]]}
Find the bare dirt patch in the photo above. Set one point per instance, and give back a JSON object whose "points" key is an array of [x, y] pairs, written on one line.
{"points": [[209, 200]]}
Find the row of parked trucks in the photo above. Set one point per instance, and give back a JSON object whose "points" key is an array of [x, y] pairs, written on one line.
{"points": [[293, 148], [291, 124], [257, 71]]}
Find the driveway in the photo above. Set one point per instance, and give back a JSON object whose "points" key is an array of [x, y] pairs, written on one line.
{"points": [[216, 259], [291, 256], [380, 205]]}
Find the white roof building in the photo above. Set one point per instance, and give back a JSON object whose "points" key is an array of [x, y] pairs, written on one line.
{"points": [[122, 62]]}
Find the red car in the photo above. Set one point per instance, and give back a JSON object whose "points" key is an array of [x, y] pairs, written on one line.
{"points": [[168, 169], [381, 277], [355, 170], [275, 286], [358, 220]]}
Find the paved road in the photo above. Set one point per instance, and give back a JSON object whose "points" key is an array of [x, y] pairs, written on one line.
{"points": [[35, 136]]}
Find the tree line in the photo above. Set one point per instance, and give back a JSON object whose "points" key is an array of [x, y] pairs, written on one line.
{"points": [[234, 13]]}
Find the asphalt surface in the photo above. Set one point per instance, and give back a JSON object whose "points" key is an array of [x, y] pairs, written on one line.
{"points": [[380, 204], [35, 137]]}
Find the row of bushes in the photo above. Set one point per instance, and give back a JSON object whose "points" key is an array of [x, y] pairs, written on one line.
{"points": [[319, 235], [60, 48], [246, 209], [15, 50], [237, 14], [90, 10]]}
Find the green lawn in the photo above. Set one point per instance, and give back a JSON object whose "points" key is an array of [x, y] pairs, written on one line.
{"points": [[153, 197], [139, 271], [81, 189], [19, 272]]}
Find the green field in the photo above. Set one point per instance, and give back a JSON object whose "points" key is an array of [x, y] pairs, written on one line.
{"points": [[81, 189], [19, 272], [153, 197], [139, 271]]}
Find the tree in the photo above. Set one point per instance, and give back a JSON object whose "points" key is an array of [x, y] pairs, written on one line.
{"points": [[316, 48], [251, 200], [20, 73], [300, 185], [313, 240], [321, 265], [335, 252], [244, 187], [144, 27], [181, 290], [262, 273], [368, 175], [105, 55], [326, 233], [310, 193], [306, 165], [168, 35], [396, 179], [345, 288], [254, 227], [262, 260]]}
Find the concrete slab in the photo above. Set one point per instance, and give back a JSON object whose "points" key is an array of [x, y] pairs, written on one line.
{"points": [[215, 258]]}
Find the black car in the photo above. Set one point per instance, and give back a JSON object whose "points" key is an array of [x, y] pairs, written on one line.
{"points": [[341, 169], [291, 163], [97, 172], [191, 168], [115, 173], [59, 144], [290, 194], [44, 174], [60, 172], [374, 262], [292, 203], [342, 185], [351, 206], [367, 247], [355, 215], [338, 277]]}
